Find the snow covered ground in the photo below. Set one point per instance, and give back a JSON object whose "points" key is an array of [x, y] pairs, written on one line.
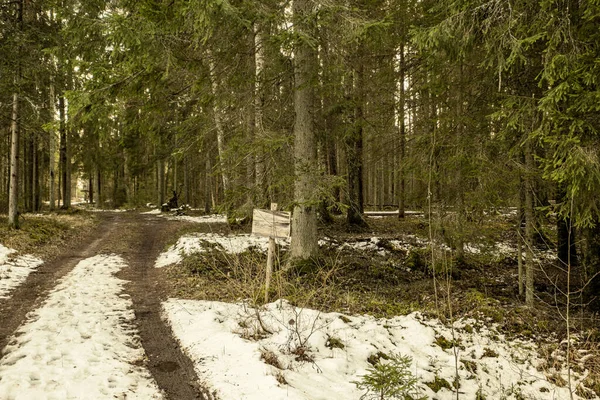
{"points": [[305, 354], [189, 244], [202, 219], [80, 344], [382, 246], [109, 210], [14, 269]]}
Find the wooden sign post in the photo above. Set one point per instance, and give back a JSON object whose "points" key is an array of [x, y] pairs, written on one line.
{"points": [[272, 224]]}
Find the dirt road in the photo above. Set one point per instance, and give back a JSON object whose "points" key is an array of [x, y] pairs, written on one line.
{"points": [[138, 239]]}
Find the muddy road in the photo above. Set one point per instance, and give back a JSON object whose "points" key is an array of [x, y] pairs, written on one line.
{"points": [[139, 239]]}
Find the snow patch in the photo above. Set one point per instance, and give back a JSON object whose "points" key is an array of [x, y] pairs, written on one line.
{"points": [[81, 343], [152, 212], [226, 343], [14, 270], [204, 219], [200, 242], [114, 210]]}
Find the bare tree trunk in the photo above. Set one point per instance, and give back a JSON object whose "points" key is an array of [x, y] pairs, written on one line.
{"points": [[34, 175], [402, 137], [64, 156], [520, 213], [304, 222], [218, 121], [98, 181], [207, 185], [259, 129], [186, 181], [565, 235], [52, 152], [160, 175], [13, 191], [91, 183], [354, 149], [26, 173], [250, 117], [13, 217], [529, 224]]}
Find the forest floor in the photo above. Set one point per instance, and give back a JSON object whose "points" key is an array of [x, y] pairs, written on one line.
{"points": [[85, 313]]}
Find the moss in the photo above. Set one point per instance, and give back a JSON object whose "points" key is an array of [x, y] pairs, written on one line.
{"points": [[374, 359], [487, 352], [304, 267], [479, 395], [334, 343], [38, 232], [439, 384], [415, 261], [444, 343], [470, 366]]}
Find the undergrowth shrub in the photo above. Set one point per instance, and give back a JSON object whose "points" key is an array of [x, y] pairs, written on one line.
{"points": [[391, 378]]}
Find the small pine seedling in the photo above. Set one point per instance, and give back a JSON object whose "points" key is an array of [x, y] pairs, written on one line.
{"points": [[390, 379]]}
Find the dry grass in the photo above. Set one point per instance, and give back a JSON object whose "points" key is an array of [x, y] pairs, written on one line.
{"points": [[357, 282], [43, 235]]}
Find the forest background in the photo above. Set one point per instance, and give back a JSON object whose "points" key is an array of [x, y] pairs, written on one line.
{"points": [[458, 108]]}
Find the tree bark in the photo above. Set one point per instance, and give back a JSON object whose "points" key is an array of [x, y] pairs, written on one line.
{"points": [[591, 261], [99, 194], [160, 181], [259, 129], [13, 217], [64, 156], [207, 184], [13, 191], [529, 225], [218, 121], [354, 148], [401, 160], [520, 217], [566, 249], [304, 222], [26, 173], [35, 187]]}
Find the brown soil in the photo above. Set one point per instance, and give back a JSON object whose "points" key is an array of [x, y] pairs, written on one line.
{"points": [[139, 239]]}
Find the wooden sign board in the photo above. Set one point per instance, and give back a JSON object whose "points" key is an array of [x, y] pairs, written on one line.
{"points": [[274, 224]]}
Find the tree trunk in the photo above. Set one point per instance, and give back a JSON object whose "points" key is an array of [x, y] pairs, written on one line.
{"points": [[160, 181], [304, 222], [218, 122], [35, 189], [354, 149], [26, 173], [13, 191], [259, 129], [591, 261], [91, 183], [529, 224], [331, 120], [13, 217], [207, 184], [186, 181], [64, 157], [99, 197], [520, 217], [566, 249]]}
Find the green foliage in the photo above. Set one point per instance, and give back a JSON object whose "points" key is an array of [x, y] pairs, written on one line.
{"points": [[390, 379], [439, 384]]}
